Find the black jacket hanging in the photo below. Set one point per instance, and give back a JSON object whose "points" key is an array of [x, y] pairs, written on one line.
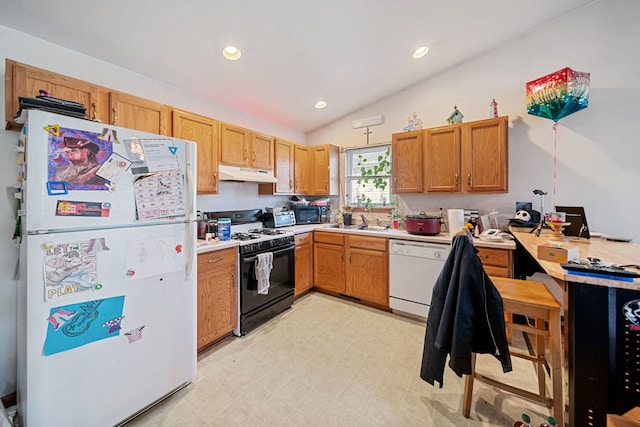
{"points": [[465, 316]]}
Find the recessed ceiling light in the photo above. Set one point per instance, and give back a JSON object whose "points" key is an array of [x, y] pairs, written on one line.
{"points": [[232, 53], [320, 104], [420, 52]]}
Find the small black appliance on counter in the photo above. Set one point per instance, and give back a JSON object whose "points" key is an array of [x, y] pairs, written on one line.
{"points": [[308, 214]]}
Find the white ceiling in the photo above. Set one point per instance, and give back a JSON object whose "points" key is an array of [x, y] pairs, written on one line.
{"points": [[349, 53]]}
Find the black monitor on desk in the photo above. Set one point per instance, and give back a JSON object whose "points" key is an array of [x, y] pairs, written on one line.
{"points": [[578, 227]]}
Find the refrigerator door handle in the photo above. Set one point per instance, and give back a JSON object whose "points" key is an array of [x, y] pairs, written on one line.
{"points": [[190, 246]]}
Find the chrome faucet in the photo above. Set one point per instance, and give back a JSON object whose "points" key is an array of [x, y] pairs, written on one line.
{"points": [[365, 223]]}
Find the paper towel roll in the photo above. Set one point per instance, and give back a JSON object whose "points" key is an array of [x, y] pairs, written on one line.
{"points": [[456, 220]]}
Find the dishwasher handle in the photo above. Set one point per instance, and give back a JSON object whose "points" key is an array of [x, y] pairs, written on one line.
{"points": [[419, 249]]}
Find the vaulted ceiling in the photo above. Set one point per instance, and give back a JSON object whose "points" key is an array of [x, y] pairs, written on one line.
{"points": [[348, 53]]}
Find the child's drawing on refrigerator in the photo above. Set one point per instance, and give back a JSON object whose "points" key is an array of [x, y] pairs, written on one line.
{"points": [[75, 325]]}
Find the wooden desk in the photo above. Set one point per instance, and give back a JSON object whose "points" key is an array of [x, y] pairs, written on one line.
{"points": [[604, 344]]}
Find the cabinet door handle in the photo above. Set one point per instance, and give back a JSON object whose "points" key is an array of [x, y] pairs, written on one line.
{"points": [[115, 116], [483, 256], [395, 183], [342, 256], [234, 281], [215, 178], [349, 258], [254, 157], [457, 178], [290, 184], [245, 154], [215, 260], [469, 179], [95, 113]]}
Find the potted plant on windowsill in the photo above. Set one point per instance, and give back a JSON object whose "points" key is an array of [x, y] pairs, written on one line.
{"points": [[373, 179]]}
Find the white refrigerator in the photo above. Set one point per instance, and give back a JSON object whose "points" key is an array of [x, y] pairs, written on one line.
{"points": [[107, 277]]}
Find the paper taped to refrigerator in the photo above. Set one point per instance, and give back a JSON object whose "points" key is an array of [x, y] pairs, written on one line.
{"points": [[161, 195], [154, 257], [70, 268], [75, 325], [151, 155], [74, 157]]}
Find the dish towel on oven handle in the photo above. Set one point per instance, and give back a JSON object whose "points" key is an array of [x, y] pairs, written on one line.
{"points": [[264, 264]]}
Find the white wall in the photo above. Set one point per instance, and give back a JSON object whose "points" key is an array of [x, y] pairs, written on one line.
{"points": [[24, 48], [598, 152]]}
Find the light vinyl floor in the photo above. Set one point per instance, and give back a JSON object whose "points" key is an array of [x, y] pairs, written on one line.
{"points": [[329, 362]]}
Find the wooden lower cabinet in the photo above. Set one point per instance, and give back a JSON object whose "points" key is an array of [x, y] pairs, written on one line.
{"points": [[217, 295], [496, 262], [328, 262], [355, 266], [304, 263], [367, 268]]}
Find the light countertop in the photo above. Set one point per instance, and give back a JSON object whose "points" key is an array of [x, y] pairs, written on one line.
{"points": [[607, 251], [389, 234]]}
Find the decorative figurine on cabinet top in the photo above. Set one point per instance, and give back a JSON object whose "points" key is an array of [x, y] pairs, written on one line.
{"points": [[456, 116], [493, 111], [413, 123]]}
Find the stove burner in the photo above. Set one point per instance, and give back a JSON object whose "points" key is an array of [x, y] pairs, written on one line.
{"points": [[245, 236], [267, 231]]}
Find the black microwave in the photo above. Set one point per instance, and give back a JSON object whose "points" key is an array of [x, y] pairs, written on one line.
{"points": [[308, 214]]}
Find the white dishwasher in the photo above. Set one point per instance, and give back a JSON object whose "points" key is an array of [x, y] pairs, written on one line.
{"points": [[413, 270]]}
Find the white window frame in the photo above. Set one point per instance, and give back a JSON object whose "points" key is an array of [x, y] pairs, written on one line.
{"points": [[354, 191]]}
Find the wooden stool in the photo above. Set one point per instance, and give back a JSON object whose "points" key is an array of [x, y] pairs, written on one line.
{"points": [[531, 299]]}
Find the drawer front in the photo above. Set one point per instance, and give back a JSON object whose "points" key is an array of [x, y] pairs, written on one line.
{"points": [[495, 257], [330, 238], [366, 242], [304, 238], [498, 271], [214, 259]]}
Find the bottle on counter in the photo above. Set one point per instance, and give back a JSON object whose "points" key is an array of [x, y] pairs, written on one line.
{"points": [[224, 229], [523, 422]]}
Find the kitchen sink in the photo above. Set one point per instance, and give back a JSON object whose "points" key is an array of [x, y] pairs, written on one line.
{"points": [[377, 228], [346, 227], [357, 227]]}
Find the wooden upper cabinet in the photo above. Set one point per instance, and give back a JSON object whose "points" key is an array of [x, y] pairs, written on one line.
{"points": [[262, 151], [325, 178], [302, 169], [406, 164], [462, 158], [203, 131], [485, 156], [138, 113], [284, 152], [234, 145], [242, 147], [26, 81], [442, 160]]}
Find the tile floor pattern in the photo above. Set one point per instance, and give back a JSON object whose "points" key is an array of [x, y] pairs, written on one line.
{"points": [[329, 362]]}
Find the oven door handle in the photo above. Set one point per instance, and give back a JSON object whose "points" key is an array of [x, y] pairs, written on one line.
{"points": [[276, 252]]}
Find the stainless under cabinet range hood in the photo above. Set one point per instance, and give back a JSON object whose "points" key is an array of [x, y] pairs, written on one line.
{"points": [[235, 173]]}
